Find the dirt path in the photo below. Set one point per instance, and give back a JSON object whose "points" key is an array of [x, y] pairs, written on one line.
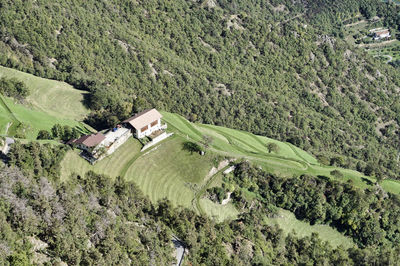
{"points": [[7, 127], [289, 19], [355, 23], [390, 58], [199, 194], [376, 44]]}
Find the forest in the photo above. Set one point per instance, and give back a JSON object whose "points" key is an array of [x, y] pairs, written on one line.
{"points": [[94, 219], [278, 69]]}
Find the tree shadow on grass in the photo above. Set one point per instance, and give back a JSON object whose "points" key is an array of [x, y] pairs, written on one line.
{"points": [[191, 147]]}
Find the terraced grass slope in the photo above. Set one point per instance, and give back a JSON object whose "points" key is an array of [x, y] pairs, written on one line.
{"points": [[49, 102], [288, 161], [170, 171]]}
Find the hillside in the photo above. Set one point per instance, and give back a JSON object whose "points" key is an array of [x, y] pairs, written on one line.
{"points": [[167, 168], [284, 145], [278, 69], [49, 102]]}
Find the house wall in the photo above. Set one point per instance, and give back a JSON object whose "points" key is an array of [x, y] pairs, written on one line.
{"points": [[381, 36], [150, 130], [83, 147]]}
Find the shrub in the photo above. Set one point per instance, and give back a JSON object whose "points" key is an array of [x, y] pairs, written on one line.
{"points": [[337, 174], [44, 134]]}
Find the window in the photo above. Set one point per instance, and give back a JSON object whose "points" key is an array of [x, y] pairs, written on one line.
{"points": [[143, 129], [154, 123]]}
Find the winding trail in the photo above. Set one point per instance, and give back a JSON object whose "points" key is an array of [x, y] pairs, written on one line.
{"points": [[198, 195], [390, 58]]}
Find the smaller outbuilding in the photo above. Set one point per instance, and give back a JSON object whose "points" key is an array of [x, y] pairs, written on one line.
{"points": [[88, 142]]}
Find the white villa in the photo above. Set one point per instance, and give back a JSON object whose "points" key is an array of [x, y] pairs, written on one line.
{"points": [[381, 34], [145, 123]]}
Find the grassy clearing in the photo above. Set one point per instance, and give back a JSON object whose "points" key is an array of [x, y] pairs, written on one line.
{"points": [[217, 211], [49, 102], [288, 223], [55, 98], [392, 186]]}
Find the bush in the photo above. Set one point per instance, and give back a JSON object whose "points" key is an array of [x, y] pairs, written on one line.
{"points": [[272, 147], [337, 174], [44, 134], [13, 88]]}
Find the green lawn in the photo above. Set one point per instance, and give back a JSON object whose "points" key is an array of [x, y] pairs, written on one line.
{"points": [[288, 223], [55, 98], [34, 119], [163, 171]]}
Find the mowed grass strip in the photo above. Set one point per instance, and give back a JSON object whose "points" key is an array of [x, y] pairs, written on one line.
{"points": [[112, 165], [180, 125], [168, 171], [288, 223], [55, 98]]}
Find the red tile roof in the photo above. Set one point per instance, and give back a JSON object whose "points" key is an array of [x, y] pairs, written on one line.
{"points": [[90, 140]]}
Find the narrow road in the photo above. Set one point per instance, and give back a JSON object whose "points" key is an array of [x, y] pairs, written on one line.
{"points": [[7, 127], [376, 44], [180, 250], [355, 23]]}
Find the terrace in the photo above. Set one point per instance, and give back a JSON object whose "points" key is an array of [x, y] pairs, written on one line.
{"points": [[114, 135]]}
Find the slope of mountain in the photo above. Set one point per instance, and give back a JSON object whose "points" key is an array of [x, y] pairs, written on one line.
{"points": [[264, 67]]}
